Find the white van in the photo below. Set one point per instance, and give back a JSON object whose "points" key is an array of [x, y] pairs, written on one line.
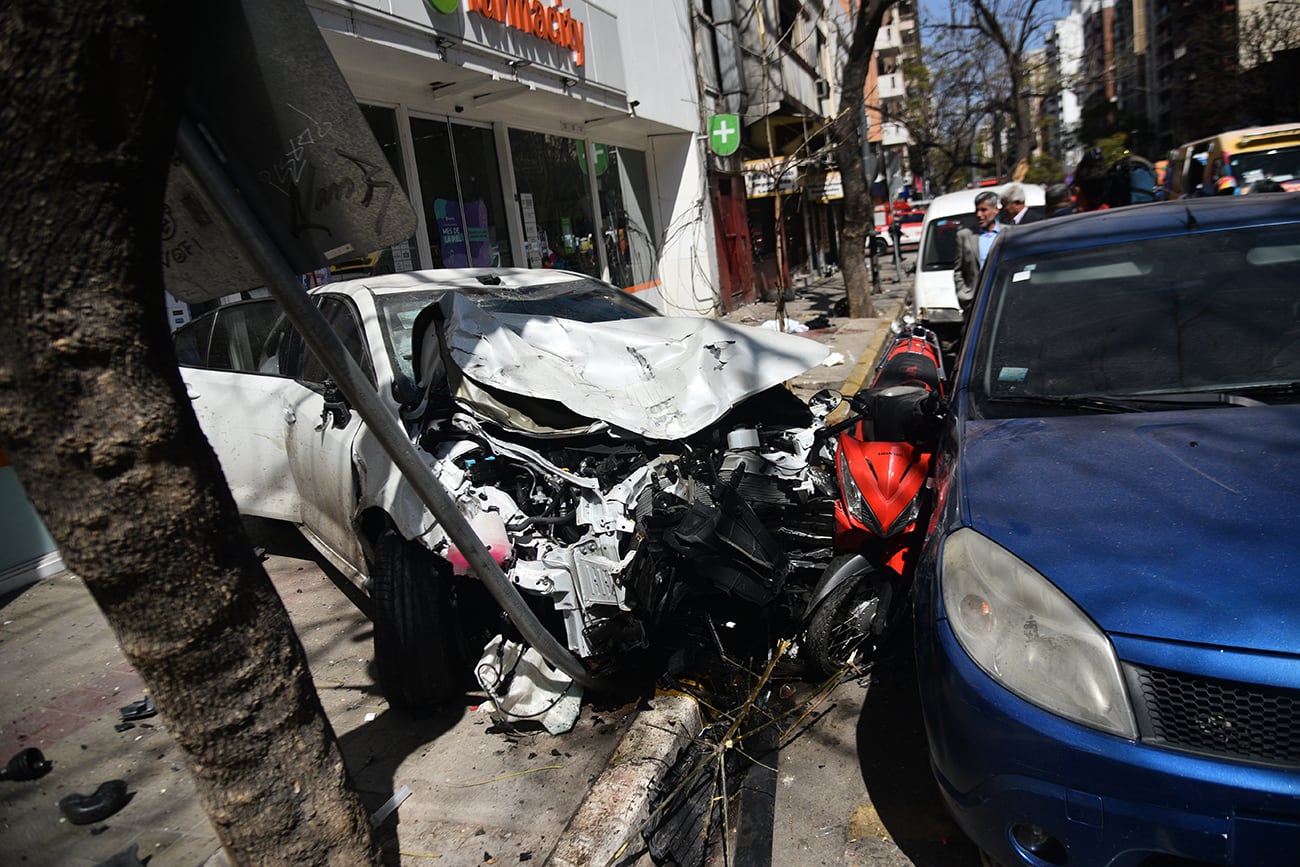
{"points": [[934, 295]]}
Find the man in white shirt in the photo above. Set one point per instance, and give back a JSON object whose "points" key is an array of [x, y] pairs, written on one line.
{"points": [[1014, 212]]}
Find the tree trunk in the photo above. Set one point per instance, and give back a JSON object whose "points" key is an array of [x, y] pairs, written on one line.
{"points": [[858, 208], [95, 420]]}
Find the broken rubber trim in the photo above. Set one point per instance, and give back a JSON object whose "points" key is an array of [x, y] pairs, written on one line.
{"points": [[28, 764], [97, 806]]}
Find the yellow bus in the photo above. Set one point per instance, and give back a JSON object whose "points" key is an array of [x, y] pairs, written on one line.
{"points": [[1237, 160]]}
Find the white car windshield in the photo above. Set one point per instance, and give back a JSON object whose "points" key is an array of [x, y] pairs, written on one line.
{"points": [[1191, 315]]}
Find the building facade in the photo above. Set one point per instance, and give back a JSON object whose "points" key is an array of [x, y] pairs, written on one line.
{"points": [[772, 65], [546, 133], [1165, 73], [536, 134], [897, 42]]}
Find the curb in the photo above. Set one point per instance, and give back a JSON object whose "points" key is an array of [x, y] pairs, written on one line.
{"points": [[606, 828]]}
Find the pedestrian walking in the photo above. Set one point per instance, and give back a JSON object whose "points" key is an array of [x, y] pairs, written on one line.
{"points": [[973, 247]]}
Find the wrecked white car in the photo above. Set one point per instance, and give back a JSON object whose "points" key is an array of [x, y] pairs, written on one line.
{"points": [[644, 481]]}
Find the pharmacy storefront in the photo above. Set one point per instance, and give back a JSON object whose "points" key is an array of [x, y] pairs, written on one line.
{"points": [[533, 134]]}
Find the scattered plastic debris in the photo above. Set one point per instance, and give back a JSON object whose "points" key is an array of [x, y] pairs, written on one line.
{"points": [[377, 818], [28, 764], [790, 325], [97, 806], [126, 858], [142, 709], [833, 359], [524, 686]]}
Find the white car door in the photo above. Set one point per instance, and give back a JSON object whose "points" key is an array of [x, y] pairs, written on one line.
{"points": [[241, 410], [319, 442], [260, 398]]}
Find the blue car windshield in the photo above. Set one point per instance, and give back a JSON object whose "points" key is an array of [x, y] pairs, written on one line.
{"points": [[1210, 313]]}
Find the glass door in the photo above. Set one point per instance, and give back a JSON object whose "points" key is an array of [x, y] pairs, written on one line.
{"points": [[625, 210], [558, 213], [460, 184]]}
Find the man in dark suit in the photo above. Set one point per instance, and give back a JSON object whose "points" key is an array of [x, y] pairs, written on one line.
{"points": [[1014, 212], [973, 247]]}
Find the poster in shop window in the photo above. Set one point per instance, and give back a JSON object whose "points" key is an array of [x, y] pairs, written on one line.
{"points": [[532, 241], [458, 251]]}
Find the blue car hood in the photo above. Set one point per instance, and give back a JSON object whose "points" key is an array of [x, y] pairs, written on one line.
{"points": [[1172, 525]]}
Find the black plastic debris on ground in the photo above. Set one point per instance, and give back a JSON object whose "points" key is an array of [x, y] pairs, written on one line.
{"points": [[106, 800], [142, 709], [126, 858], [27, 764]]}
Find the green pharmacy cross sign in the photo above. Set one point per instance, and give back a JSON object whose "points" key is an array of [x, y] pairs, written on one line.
{"points": [[602, 156], [724, 134]]}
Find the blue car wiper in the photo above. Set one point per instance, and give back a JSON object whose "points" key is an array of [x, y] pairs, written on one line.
{"points": [[1228, 397], [1091, 402]]}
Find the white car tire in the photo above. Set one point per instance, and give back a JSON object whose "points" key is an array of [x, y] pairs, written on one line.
{"points": [[416, 658]]}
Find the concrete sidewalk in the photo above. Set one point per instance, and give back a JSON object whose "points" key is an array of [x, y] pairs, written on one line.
{"points": [[474, 793], [820, 305], [474, 798]]}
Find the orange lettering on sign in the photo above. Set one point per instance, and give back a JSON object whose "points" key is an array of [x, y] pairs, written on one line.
{"points": [[553, 23], [494, 9]]}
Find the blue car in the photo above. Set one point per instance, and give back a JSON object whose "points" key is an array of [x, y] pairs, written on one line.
{"points": [[1108, 602]]}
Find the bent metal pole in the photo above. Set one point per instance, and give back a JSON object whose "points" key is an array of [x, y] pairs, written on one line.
{"points": [[327, 346]]}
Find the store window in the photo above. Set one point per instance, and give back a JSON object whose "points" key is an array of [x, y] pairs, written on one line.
{"points": [[556, 203], [625, 210], [461, 187]]}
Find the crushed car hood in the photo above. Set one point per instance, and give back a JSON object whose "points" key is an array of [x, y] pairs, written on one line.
{"points": [[1173, 525], [659, 377]]}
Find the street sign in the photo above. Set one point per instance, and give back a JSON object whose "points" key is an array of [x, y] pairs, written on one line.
{"points": [[271, 102], [724, 134]]}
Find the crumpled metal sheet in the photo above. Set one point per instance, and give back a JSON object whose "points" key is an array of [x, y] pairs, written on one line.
{"points": [[660, 377]]}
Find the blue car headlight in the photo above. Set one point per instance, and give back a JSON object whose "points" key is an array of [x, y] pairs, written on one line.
{"points": [[1028, 636]]}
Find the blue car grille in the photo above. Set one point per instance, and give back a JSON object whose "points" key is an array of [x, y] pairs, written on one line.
{"points": [[1242, 721]]}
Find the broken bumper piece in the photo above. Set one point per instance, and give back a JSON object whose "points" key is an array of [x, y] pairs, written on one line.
{"points": [[524, 688]]}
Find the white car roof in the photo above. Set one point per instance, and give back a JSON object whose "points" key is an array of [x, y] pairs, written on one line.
{"points": [[455, 278], [963, 201]]}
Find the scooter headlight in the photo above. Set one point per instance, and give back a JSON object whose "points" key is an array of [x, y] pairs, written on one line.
{"points": [[862, 512], [1030, 637], [907, 516], [853, 499]]}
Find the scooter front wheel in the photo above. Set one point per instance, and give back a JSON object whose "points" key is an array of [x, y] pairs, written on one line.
{"points": [[846, 626]]}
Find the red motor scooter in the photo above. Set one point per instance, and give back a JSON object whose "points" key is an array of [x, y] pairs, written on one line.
{"points": [[882, 457]]}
